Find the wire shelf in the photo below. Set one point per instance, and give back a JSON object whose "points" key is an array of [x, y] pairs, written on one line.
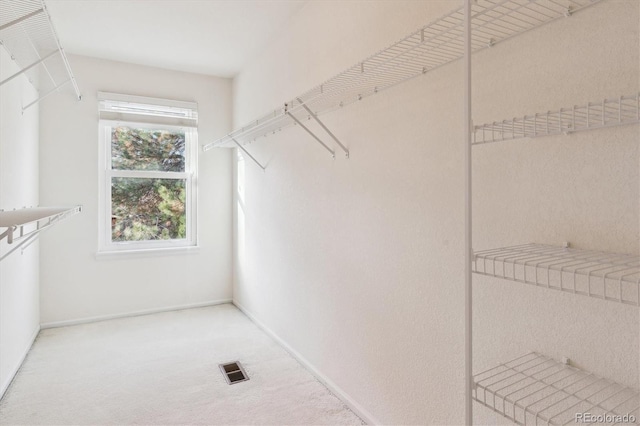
{"points": [[436, 44], [536, 390], [28, 35], [25, 224], [608, 276], [593, 115]]}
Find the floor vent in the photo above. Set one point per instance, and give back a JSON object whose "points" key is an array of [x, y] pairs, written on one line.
{"points": [[233, 372]]}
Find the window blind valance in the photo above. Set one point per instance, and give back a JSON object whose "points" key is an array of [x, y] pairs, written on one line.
{"points": [[136, 109]]}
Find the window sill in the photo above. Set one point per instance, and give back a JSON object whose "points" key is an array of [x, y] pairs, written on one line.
{"points": [[155, 252]]}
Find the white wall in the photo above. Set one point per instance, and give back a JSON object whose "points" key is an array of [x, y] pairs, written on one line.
{"points": [[19, 274], [357, 264], [582, 188], [74, 284]]}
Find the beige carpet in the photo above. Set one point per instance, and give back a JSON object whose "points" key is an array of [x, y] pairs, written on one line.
{"points": [[163, 369]]}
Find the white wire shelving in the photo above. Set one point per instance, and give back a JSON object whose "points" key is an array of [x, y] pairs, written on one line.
{"points": [[593, 115], [536, 390], [608, 276], [436, 44], [28, 35], [22, 226]]}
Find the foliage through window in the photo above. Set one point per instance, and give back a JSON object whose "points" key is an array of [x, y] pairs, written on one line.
{"points": [[148, 178]]}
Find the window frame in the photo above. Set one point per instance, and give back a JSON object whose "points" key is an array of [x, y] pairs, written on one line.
{"points": [[105, 243]]}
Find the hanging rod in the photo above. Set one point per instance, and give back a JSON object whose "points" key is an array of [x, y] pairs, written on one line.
{"points": [[23, 225], [439, 43], [28, 35]]}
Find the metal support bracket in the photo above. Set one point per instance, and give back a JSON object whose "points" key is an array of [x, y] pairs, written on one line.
{"points": [[249, 155], [315, 117], [9, 234], [333, 154], [45, 95], [27, 68]]}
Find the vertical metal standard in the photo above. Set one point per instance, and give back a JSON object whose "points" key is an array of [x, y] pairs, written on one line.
{"points": [[468, 247], [246, 152]]}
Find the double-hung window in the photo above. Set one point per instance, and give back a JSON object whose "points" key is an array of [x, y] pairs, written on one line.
{"points": [[148, 170]]}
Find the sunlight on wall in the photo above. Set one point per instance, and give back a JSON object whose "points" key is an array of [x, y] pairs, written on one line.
{"points": [[240, 224]]}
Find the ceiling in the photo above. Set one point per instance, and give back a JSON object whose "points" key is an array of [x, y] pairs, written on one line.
{"points": [[216, 37]]}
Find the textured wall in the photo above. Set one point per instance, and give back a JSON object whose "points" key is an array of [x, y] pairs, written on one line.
{"points": [[19, 275], [74, 284], [581, 188], [357, 264]]}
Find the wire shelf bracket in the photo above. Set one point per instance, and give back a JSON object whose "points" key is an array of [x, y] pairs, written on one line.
{"points": [[249, 155], [22, 226], [437, 44], [315, 117], [28, 35], [607, 276], [619, 111], [537, 390], [313, 135]]}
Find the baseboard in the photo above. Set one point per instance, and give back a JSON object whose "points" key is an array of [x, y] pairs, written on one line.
{"points": [[26, 350], [353, 405], [78, 321]]}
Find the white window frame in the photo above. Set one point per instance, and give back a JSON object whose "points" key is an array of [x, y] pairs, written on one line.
{"points": [[105, 244]]}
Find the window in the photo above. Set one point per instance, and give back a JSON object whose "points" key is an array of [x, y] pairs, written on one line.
{"points": [[148, 173]]}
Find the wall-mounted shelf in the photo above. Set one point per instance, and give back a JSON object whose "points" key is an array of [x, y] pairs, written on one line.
{"points": [[438, 43], [608, 276], [593, 115], [27, 33], [25, 224], [536, 390]]}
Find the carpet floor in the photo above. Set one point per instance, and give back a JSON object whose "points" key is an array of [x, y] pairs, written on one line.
{"points": [[163, 369]]}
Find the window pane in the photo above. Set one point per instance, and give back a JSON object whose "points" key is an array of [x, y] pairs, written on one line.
{"points": [[146, 149], [148, 209]]}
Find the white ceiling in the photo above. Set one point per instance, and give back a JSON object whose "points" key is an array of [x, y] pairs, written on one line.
{"points": [[216, 37]]}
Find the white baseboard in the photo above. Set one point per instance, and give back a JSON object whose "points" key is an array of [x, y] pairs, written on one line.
{"points": [[65, 323], [26, 350], [353, 405]]}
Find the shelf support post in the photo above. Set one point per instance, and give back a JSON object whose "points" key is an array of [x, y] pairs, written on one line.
{"points": [[333, 154], [249, 155], [315, 117], [468, 255]]}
